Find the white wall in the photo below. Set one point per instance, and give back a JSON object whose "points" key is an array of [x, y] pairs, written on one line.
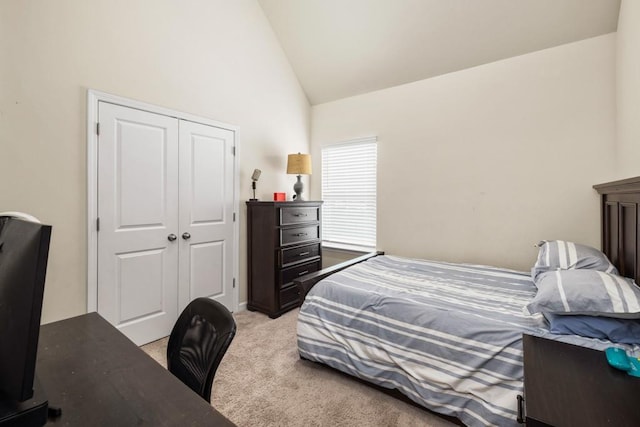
{"points": [[478, 165], [628, 90], [215, 58]]}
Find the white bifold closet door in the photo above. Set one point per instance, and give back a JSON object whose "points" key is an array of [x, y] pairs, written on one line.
{"points": [[165, 209]]}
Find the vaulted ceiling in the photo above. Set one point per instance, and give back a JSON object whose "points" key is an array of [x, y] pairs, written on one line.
{"points": [[341, 48]]}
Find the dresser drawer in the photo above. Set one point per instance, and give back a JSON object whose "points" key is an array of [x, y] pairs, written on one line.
{"points": [[289, 236], [288, 274], [301, 253], [289, 296], [297, 215]]}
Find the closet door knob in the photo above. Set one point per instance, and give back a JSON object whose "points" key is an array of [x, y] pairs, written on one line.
{"points": [[171, 237], [186, 236]]}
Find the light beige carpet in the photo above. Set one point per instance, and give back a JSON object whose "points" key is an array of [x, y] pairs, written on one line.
{"points": [[262, 382]]}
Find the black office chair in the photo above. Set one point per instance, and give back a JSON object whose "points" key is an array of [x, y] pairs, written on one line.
{"points": [[198, 341]]}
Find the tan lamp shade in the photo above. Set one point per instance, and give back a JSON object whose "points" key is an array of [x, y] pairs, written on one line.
{"points": [[299, 164]]}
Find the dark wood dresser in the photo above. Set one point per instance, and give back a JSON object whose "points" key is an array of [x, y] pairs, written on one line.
{"points": [[283, 244], [566, 385]]}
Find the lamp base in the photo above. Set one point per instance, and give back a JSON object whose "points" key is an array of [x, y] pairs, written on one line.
{"points": [[298, 187]]}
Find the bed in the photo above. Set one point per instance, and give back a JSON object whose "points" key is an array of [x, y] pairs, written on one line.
{"points": [[449, 336]]}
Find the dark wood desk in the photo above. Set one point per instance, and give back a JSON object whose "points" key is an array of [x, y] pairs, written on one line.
{"points": [[566, 385], [100, 378]]}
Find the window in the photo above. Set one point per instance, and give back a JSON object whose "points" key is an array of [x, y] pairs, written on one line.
{"points": [[349, 194]]}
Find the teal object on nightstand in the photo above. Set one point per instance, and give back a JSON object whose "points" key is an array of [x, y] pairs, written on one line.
{"points": [[635, 367], [618, 358]]}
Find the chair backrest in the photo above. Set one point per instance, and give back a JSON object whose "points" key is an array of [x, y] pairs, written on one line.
{"points": [[198, 341]]}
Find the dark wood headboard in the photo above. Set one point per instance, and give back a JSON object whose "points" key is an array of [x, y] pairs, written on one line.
{"points": [[620, 224]]}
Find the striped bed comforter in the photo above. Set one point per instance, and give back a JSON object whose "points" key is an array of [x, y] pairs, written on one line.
{"points": [[448, 336]]}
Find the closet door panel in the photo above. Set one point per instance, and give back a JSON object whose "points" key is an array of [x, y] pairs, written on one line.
{"points": [[207, 270], [137, 207], [206, 213], [207, 179]]}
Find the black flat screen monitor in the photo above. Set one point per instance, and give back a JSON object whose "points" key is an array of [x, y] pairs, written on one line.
{"points": [[24, 250]]}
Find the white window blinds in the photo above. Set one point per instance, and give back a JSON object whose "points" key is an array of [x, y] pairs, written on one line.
{"points": [[349, 194]]}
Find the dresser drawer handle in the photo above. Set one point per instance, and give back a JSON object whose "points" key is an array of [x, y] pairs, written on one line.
{"points": [[302, 273], [299, 214], [520, 418], [300, 234], [303, 253]]}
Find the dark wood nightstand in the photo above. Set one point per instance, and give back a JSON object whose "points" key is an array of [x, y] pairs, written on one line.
{"points": [[567, 385]]}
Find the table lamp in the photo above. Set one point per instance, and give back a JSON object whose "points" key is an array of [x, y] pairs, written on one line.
{"points": [[298, 164]]}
